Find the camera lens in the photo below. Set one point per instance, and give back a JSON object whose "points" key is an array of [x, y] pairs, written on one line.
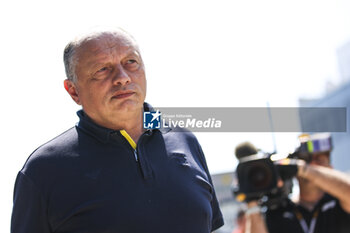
{"points": [[259, 176]]}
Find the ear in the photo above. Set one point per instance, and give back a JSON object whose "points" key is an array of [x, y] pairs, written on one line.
{"points": [[72, 90]]}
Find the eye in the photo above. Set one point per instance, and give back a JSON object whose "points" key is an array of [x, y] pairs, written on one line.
{"points": [[102, 72], [131, 61], [132, 65], [102, 69]]}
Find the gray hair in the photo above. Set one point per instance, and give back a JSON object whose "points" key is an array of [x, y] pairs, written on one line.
{"points": [[69, 62], [69, 59]]}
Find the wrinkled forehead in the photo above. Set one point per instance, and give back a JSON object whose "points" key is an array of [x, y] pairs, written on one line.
{"points": [[97, 42]]}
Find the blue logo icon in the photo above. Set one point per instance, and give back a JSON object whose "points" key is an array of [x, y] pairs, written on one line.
{"points": [[152, 120]]}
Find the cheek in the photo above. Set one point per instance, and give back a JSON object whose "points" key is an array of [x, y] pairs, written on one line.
{"points": [[140, 83], [141, 80], [143, 83], [145, 86], [93, 96]]}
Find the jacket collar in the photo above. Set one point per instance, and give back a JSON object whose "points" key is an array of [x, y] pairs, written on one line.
{"points": [[101, 133], [148, 108], [87, 125]]}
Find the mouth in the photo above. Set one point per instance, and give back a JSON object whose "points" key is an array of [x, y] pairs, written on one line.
{"points": [[123, 94]]}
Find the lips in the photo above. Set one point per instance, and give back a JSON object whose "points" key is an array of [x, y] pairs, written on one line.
{"points": [[123, 94]]}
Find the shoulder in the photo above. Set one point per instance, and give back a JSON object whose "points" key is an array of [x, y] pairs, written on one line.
{"points": [[183, 141], [48, 155], [180, 139], [332, 213], [330, 203], [181, 135]]}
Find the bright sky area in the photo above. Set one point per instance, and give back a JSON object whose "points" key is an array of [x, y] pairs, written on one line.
{"points": [[197, 54]]}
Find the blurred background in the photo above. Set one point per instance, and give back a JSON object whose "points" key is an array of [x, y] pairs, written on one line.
{"points": [[253, 53]]}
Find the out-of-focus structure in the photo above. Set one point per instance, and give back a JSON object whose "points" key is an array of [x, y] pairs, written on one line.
{"points": [[337, 97]]}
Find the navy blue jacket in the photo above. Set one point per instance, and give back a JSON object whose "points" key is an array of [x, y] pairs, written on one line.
{"points": [[87, 180]]}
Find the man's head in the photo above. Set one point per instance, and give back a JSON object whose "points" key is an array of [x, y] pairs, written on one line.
{"points": [[315, 150], [321, 159], [245, 149], [106, 75]]}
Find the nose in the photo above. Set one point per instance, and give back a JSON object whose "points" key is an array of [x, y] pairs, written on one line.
{"points": [[121, 77]]}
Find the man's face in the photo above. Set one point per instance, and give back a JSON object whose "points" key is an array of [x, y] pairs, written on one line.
{"points": [[111, 81], [321, 159]]}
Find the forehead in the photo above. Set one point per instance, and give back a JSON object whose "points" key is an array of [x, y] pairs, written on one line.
{"points": [[105, 43], [320, 156]]}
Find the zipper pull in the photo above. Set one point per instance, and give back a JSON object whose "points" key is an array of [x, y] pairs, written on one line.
{"points": [[135, 154]]}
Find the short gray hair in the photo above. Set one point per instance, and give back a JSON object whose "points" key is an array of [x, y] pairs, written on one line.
{"points": [[69, 63], [69, 58]]}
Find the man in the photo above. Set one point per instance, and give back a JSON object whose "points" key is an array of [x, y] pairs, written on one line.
{"points": [[108, 174], [323, 205]]}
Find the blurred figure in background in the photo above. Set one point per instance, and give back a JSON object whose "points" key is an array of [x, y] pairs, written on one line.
{"points": [[245, 149], [323, 205], [240, 222]]}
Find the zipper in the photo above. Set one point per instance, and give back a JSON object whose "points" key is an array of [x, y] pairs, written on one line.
{"points": [[136, 156], [143, 163], [126, 141]]}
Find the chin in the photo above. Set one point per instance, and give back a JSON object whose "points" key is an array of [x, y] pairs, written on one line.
{"points": [[129, 106]]}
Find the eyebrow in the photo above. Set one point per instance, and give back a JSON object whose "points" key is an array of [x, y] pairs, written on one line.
{"points": [[104, 60]]}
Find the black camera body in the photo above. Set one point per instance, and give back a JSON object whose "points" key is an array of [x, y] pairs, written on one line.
{"points": [[258, 177], [268, 177]]}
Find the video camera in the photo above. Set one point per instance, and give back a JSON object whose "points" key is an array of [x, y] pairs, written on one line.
{"points": [[258, 174]]}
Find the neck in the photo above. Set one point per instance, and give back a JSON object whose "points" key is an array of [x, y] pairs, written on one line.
{"points": [[131, 122], [134, 130], [309, 205]]}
